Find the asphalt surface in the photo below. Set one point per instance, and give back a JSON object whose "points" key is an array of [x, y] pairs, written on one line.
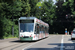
{"points": [[53, 42]]}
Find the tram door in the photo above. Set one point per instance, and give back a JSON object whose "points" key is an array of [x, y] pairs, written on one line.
{"points": [[37, 30]]}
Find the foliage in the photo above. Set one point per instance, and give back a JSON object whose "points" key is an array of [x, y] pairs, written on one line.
{"points": [[16, 30], [49, 9], [10, 11], [33, 7], [6, 13], [61, 22]]}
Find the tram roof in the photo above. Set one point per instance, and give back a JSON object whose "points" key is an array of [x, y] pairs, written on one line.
{"points": [[22, 18]]}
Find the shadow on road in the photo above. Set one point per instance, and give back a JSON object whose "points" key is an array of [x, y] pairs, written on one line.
{"points": [[40, 49], [65, 46], [18, 41], [73, 40], [55, 46]]}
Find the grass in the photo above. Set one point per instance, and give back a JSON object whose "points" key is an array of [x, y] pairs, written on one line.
{"points": [[9, 37]]}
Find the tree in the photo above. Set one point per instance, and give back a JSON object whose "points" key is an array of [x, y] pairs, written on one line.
{"points": [[61, 22], [7, 11], [10, 11], [49, 9], [33, 7]]}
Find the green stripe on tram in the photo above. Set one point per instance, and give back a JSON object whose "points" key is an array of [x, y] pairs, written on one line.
{"points": [[24, 39]]}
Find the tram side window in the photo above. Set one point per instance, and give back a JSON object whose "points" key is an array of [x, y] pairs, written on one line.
{"points": [[37, 29], [48, 30], [40, 29], [45, 30]]}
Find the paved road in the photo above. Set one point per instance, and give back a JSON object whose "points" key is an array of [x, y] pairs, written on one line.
{"points": [[56, 42], [53, 42]]}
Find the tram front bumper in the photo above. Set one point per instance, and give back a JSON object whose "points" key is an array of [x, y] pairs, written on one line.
{"points": [[26, 39]]}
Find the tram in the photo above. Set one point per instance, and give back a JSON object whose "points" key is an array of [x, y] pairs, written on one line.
{"points": [[31, 29]]}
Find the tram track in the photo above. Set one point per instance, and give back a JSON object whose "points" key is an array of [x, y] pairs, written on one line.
{"points": [[16, 46], [7, 46], [27, 44], [19, 44]]}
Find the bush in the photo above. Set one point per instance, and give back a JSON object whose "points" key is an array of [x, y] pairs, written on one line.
{"points": [[16, 31], [5, 20], [7, 25]]}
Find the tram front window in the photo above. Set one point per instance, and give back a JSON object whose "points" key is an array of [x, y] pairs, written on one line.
{"points": [[26, 27]]}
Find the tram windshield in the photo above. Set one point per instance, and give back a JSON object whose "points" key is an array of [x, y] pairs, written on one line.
{"points": [[26, 27]]}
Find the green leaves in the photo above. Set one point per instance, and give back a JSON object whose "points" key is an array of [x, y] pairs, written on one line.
{"points": [[64, 4], [39, 4], [50, 10], [13, 10], [27, 8], [73, 12]]}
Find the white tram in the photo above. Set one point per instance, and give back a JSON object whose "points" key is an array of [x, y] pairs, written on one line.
{"points": [[31, 28]]}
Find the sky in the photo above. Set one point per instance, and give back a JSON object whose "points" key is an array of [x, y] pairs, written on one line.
{"points": [[54, 1]]}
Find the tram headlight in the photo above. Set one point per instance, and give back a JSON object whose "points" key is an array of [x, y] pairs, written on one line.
{"points": [[30, 35], [22, 35]]}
